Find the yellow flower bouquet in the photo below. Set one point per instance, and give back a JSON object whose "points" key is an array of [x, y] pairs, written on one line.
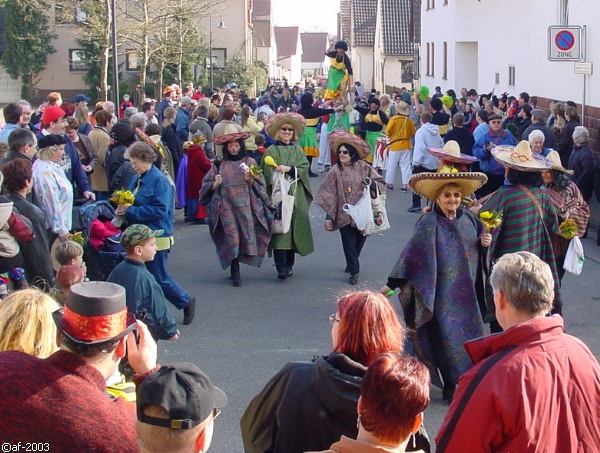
{"points": [[121, 197], [490, 219], [77, 237], [568, 229]]}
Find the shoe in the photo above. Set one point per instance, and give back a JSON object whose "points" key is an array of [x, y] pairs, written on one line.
{"points": [[403, 189], [289, 273], [347, 270], [199, 222], [353, 279], [415, 209], [235, 273], [448, 394], [189, 312], [312, 175], [319, 168], [327, 168], [390, 187], [281, 275]]}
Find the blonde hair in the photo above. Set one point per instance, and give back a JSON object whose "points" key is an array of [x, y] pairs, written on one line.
{"points": [[157, 439], [47, 152], [26, 323], [82, 113]]}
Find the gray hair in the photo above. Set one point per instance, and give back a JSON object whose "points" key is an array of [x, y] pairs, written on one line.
{"points": [[536, 133], [47, 152], [138, 121], [581, 135], [130, 111], [23, 103], [526, 281], [538, 115], [21, 137]]}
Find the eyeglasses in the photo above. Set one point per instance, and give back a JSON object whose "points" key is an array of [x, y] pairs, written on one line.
{"points": [[449, 195], [343, 151], [333, 318], [216, 413], [287, 129]]}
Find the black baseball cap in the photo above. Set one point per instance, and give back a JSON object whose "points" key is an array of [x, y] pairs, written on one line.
{"points": [[184, 391]]}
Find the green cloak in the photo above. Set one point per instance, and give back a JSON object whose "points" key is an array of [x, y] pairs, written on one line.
{"points": [[299, 238]]}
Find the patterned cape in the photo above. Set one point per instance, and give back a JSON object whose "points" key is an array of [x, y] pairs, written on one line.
{"points": [[239, 217], [439, 269]]}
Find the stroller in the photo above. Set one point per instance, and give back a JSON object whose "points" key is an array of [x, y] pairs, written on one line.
{"points": [[102, 254]]}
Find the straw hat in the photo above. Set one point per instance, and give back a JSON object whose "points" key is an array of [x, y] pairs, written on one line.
{"points": [[339, 138], [554, 158], [296, 120], [221, 139], [520, 157], [451, 153], [402, 108], [429, 184]]}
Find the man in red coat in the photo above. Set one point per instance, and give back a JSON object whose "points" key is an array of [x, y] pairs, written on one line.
{"points": [[60, 402], [533, 388]]}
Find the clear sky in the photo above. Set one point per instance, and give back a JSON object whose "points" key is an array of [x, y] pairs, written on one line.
{"points": [[309, 15]]}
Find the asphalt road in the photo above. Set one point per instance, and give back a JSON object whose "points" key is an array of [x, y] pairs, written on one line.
{"points": [[242, 336]]}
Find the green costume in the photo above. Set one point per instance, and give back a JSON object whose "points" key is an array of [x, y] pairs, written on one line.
{"points": [[299, 238]]}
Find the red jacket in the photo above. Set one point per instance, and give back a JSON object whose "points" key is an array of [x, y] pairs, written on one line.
{"points": [[542, 396], [197, 167], [62, 401]]}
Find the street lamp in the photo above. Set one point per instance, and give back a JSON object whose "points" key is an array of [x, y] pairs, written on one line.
{"points": [[210, 49], [115, 63]]}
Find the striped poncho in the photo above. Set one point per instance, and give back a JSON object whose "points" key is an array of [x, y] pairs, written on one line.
{"points": [[523, 229]]}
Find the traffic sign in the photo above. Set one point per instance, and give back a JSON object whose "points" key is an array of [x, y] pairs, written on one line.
{"points": [[564, 43]]}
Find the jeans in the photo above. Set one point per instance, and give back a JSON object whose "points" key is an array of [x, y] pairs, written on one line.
{"points": [[159, 268], [352, 242]]}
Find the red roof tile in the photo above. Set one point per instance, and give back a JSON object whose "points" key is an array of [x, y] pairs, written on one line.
{"points": [[287, 41], [314, 46]]}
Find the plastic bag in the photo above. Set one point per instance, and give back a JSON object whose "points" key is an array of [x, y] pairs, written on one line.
{"points": [[283, 203], [380, 218], [361, 212], [575, 257]]}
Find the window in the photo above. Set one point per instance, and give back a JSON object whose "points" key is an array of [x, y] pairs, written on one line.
{"points": [[428, 71], [445, 75], [564, 12], [430, 4], [497, 78], [77, 61], [219, 57], [432, 60], [132, 62], [445, 2], [511, 75]]}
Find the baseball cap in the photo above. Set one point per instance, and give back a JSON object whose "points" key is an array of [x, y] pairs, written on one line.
{"points": [[52, 114], [184, 391], [81, 98], [137, 233]]}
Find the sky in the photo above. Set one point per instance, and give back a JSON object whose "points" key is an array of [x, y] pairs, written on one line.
{"points": [[309, 15]]}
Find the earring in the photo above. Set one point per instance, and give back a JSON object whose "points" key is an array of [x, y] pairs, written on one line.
{"points": [[414, 440], [358, 422]]}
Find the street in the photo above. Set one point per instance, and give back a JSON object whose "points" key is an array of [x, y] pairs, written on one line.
{"points": [[242, 336]]}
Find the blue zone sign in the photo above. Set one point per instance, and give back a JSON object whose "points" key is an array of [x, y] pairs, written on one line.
{"points": [[564, 43]]}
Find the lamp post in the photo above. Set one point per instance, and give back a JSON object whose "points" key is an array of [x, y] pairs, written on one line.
{"points": [[210, 48], [115, 63]]}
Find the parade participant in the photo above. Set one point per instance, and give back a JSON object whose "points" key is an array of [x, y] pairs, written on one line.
{"points": [[393, 396], [569, 204], [437, 273], [400, 130], [345, 184], [281, 418], [198, 166], [339, 77], [374, 121], [239, 218], [49, 401], [528, 216], [153, 207], [290, 160], [176, 410], [532, 388], [451, 158], [124, 105], [308, 139]]}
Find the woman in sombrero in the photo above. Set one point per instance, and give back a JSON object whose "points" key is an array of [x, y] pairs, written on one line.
{"points": [[339, 77], [289, 159], [452, 160], [529, 218], [345, 183], [437, 275], [239, 217], [569, 204]]}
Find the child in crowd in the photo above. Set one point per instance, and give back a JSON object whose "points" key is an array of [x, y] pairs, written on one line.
{"points": [[68, 253], [66, 277], [259, 139], [145, 298]]}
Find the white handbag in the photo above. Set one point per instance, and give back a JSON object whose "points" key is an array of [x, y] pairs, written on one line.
{"points": [[574, 258], [380, 218], [283, 202], [361, 212]]}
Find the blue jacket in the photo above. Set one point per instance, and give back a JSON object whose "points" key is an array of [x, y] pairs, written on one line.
{"points": [[182, 124], [154, 201], [487, 163], [71, 164]]}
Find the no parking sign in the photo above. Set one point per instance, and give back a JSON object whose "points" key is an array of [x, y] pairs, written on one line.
{"points": [[564, 43]]}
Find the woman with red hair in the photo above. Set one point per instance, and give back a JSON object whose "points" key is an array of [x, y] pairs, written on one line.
{"points": [[309, 405], [393, 395]]}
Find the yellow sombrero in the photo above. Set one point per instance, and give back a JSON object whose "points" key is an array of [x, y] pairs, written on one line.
{"points": [[451, 153], [296, 120], [520, 157], [429, 184]]}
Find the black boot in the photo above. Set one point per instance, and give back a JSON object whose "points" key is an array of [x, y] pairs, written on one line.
{"points": [[310, 172], [235, 272], [189, 312]]}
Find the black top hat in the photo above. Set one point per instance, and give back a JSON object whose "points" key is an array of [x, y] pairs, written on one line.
{"points": [[95, 312], [184, 391]]}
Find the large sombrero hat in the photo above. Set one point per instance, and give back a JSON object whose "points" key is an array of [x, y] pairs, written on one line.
{"points": [[221, 139], [520, 157], [296, 120], [554, 158], [339, 138], [451, 153], [95, 312], [429, 184]]}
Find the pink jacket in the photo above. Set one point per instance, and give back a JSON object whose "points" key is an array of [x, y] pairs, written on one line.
{"points": [[542, 395]]}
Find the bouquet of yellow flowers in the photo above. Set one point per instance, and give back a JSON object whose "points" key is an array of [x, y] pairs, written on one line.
{"points": [[255, 170], [121, 197], [446, 168], [490, 219], [77, 237], [568, 229]]}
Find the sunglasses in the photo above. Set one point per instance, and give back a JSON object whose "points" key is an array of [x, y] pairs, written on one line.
{"points": [[333, 318], [216, 413], [343, 151], [287, 129]]}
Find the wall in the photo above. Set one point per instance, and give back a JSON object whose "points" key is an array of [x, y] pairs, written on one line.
{"points": [[10, 89], [392, 72], [295, 69], [362, 66]]}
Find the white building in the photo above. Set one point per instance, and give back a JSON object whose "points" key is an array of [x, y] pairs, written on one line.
{"points": [[314, 61], [502, 45], [362, 40], [289, 53]]}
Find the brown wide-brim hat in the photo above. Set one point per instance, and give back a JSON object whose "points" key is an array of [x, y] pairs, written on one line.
{"points": [[95, 312], [339, 138], [451, 153], [520, 158], [221, 139], [296, 120], [429, 184]]}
